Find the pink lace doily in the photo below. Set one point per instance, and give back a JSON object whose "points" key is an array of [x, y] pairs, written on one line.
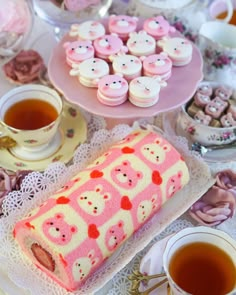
{"points": [[41, 185]]}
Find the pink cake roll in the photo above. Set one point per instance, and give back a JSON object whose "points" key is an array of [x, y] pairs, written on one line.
{"points": [[71, 234]]}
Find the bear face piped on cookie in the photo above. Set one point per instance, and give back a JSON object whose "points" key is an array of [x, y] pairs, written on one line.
{"points": [[112, 90], [90, 71], [122, 25], [78, 51], [89, 30], [158, 64], [141, 44], [227, 120], [202, 118], [158, 27], [178, 49], [108, 45], [223, 92], [128, 65], [57, 230]]}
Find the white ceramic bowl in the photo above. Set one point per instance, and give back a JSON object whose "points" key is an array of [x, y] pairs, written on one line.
{"points": [[206, 135]]}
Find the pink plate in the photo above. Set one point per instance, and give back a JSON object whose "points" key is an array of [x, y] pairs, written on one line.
{"points": [[181, 86]]}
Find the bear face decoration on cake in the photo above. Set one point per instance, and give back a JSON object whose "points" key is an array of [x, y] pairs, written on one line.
{"points": [[140, 44], [78, 51], [158, 27], [178, 49], [112, 90], [122, 25], [89, 30]]}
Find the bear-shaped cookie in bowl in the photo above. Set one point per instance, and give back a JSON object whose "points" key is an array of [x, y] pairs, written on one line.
{"points": [[210, 116]]}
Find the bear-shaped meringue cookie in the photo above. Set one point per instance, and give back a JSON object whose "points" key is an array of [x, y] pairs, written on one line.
{"points": [[178, 49], [122, 25], [158, 27], [141, 44]]}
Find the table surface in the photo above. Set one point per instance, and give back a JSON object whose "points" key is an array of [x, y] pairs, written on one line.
{"points": [[43, 30]]}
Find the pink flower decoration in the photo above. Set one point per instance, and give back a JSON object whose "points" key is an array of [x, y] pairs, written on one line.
{"points": [[218, 203]]}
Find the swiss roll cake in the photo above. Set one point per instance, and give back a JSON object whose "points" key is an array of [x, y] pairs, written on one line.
{"points": [[71, 234]]}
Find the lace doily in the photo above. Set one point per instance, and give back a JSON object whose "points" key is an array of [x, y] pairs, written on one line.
{"points": [[37, 187]]}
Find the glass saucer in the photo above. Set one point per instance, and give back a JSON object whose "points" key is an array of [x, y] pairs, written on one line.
{"points": [[73, 131]]}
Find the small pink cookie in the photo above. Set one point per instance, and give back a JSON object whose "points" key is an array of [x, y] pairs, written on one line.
{"points": [[232, 110], [112, 90], [223, 92], [216, 107], [90, 71], [158, 27], [202, 118], [129, 66], [78, 51], [178, 49], [227, 120], [144, 91], [122, 25], [89, 30], [108, 45], [141, 44], [157, 64], [205, 90], [201, 99]]}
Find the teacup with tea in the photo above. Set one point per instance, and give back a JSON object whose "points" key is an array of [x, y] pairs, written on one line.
{"points": [[201, 261], [30, 115]]}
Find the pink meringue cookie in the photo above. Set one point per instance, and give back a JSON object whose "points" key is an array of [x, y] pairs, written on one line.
{"points": [[14, 16], [218, 203]]}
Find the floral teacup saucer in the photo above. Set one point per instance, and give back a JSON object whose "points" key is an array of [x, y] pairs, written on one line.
{"points": [[151, 264], [73, 131]]}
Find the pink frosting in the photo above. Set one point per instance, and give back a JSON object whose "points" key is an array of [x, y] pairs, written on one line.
{"points": [[14, 16]]}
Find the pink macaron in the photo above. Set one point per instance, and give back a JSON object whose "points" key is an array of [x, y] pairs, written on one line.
{"points": [[78, 51], [141, 44], [122, 25], [108, 45], [157, 64], [158, 27], [112, 90]]}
